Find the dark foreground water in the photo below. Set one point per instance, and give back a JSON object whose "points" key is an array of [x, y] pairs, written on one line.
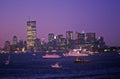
{"points": [[27, 66]]}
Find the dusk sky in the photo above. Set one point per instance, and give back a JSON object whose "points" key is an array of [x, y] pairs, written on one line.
{"points": [[59, 16]]}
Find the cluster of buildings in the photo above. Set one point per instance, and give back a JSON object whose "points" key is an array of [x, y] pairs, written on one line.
{"points": [[56, 43]]}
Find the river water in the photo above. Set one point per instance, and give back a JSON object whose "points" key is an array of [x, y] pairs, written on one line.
{"points": [[28, 66]]}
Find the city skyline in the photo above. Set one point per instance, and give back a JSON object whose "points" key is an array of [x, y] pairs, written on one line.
{"points": [[55, 16]]}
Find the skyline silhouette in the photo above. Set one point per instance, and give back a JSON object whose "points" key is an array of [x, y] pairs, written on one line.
{"points": [[56, 16]]}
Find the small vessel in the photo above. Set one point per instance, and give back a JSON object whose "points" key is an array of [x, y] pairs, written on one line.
{"points": [[75, 53], [34, 54], [51, 56], [79, 60], [56, 65]]}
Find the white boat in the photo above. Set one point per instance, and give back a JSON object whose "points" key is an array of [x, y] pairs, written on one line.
{"points": [[75, 53], [56, 65], [51, 56]]}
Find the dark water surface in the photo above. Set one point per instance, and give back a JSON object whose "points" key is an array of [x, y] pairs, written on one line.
{"points": [[27, 66]]}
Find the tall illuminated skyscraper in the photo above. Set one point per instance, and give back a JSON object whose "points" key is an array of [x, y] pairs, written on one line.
{"points": [[31, 34]]}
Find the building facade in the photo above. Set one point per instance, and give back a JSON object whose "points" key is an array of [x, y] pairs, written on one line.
{"points": [[80, 38], [51, 37], [90, 38], [69, 40], [14, 43], [69, 36], [15, 40], [31, 34], [7, 46]]}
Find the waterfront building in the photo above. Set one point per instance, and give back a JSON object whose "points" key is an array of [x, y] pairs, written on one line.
{"points": [[69, 40], [90, 38], [69, 36], [7, 46], [101, 43], [31, 34], [37, 45], [15, 40], [51, 41], [21, 45], [59, 39], [80, 38], [51, 37], [61, 43], [44, 45], [14, 43], [101, 40]]}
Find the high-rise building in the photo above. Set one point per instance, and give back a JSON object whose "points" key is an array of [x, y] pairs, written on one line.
{"points": [[69, 40], [51, 37], [69, 36], [101, 42], [38, 46], [15, 40], [31, 34], [51, 43], [15, 43], [61, 42], [58, 38], [7, 46], [90, 37], [80, 38]]}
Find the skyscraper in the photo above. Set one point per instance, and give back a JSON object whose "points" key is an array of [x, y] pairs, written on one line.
{"points": [[51, 43], [69, 40], [90, 37], [101, 42], [7, 46], [14, 43], [69, 36], [31, 34], [80, 38], [51, 37], [15, 40]]}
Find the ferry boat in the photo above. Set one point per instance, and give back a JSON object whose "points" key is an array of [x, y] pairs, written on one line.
{"points": [[51, 56], [56, 65], [79, 60], [75, 53]]}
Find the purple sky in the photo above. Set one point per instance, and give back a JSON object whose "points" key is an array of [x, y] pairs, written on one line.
{"points": [[59, 16]]}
